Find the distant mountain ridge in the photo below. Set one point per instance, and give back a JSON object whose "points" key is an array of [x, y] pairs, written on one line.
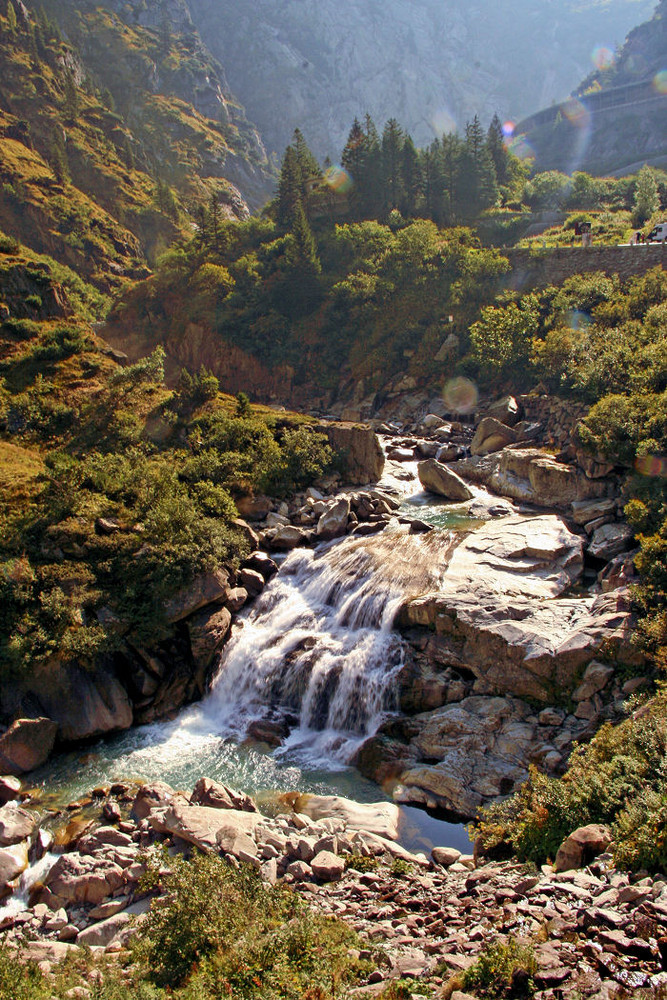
{"points": [[432, 64], [615, 120]]}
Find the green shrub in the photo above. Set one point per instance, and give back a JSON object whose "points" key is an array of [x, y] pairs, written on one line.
{"points": [[502, 970]]}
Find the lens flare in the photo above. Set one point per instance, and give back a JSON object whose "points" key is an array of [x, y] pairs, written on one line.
{"points": [[576, 113], [520, 147], [508, 129], [460, 395], [652, 465], [660, 82], [338, 180], [603, 57], [443, 122], [577, 320]]}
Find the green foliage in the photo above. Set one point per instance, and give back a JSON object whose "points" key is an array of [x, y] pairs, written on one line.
{"points": [[223, 931], [503, 969], [501, 339], [21, 980], [362, 862], [618, 780], [646, 200]]}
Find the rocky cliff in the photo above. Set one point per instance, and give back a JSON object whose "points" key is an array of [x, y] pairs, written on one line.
{"points": [[431, 64]]}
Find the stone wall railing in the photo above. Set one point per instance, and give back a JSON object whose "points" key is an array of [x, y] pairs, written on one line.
{"points": [[534, 268]]}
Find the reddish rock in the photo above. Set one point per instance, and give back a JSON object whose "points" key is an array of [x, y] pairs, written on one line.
{"points": [[26, 745], [582, 846]]}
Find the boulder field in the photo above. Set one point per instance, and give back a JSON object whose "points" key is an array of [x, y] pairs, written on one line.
{"points": [[593, 929]]}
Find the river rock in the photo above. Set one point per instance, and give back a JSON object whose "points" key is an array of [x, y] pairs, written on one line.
{"points": [[585, 511], [333, 523], [101, 934], [236, 598], [327, 866], [437, 478], [226, 830], [16, 824], [208, 588], [491, 435], [153, 795], [26, 745], [251, 580], [261, 563], [211, 793], [582, 846], [208, 631], [288, 537], [610, 540], [445, 856], [254, 508], [10, 788], [78, 878], [507, 410], [375, 817], [431, 421], [13, 861], [359, 448]]}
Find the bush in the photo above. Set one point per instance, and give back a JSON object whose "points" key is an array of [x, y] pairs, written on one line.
{"points": [[502, 970], [226, 932]]}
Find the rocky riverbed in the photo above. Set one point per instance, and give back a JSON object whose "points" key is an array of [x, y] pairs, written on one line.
{"points": [[595, 931]]}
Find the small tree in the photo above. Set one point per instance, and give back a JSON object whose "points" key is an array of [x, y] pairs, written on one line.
{"points": [[647, 200], [11, 18]]}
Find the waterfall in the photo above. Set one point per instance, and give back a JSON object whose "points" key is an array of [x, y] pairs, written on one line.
{"points": [[317, 650]]}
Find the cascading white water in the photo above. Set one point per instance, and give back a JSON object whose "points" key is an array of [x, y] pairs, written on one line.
{"points": [[318, 645]]}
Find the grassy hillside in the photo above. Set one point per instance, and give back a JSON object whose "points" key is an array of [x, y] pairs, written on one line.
{"points": [[104, 186]]}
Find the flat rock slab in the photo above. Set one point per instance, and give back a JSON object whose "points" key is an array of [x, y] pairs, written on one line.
{"points": [[210, 829], [376, 817]]}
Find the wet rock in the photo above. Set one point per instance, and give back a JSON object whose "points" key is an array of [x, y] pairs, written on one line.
{"points": [[10, 788], [208, 588], [261, 563], [26, 745], [251, 580], [269, 731], [16, 824], [288, 537], [211, 793], [208, 631], [582, 846], [13, 861], [236, 598], [438, 478], [333, 523], [154, 795]]}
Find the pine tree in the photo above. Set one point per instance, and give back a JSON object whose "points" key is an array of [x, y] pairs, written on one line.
{"points": [[308, 165], [58, 157], [70, 98], [433, 178], [392, 149], [290, 187], [412, 178], [647, 199], [302, 289], [451, 155], [496, 145]]}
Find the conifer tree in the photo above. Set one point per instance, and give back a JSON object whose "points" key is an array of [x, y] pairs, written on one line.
{"points": [[70, 98], [412, 178], [647, 199], [496, 146], [11, 18], [392, 175], [308, 165], [290, 187]]}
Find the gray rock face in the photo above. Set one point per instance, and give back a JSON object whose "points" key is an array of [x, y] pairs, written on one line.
{"points": [[432, 64], [437, 478]]}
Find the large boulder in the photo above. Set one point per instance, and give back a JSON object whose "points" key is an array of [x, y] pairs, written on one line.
{"points": [[507, 410], [333, 522], [437, 478], [211, 793], [374, 817], [207, 588], [16, 824], [153, 795], [491, 435], [361, 452], [609, 540], [13, 861], [26, 745], [226, 830], [288, 537], [582, 846], [208, 631], [83, 878]]}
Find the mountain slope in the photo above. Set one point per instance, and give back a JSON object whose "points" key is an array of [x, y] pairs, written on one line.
{"points": [[615, 120], [107, 138], [432, 64]]}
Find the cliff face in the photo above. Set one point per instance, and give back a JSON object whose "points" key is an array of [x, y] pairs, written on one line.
{"points": [[432, 64], [616, 121]]}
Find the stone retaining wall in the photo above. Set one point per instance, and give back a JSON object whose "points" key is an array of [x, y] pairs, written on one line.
{"points": [[558, 416], [534, 268]]}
